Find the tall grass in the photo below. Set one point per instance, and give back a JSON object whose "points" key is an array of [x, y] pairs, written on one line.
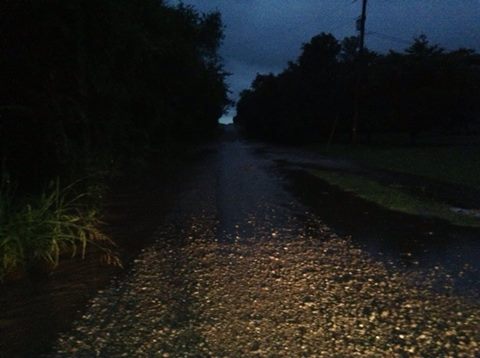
{"points": [[45, 228]]}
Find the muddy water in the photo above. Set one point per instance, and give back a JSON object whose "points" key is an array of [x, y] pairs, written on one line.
{"points": [[232, 197], [250, 198], [412, 242], [34, 309], [244, 267], [456, 195]]}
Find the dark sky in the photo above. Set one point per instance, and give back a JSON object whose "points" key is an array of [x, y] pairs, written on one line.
{"points": [[263, 35]]}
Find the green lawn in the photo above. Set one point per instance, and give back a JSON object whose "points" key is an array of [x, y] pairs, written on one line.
{"points": [[452, 164], [392, 198]]}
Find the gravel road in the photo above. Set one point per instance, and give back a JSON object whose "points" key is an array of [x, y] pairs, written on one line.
{"points": [[241, 268]]}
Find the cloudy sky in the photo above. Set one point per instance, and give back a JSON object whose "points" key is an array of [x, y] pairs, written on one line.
{"points": [[261, 36]]}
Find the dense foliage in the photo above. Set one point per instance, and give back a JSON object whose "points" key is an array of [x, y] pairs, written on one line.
{"points": [[424, 89], [85, 83], [89, 87]]}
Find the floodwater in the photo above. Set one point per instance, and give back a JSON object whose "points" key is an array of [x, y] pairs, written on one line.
{"points": [[412, 242], [257, 258]]}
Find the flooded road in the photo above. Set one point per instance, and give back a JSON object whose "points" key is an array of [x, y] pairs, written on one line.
{"points": [[244, 267], [412, 242]]}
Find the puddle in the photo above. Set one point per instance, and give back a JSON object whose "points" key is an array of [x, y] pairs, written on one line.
{"points": [[455, 195], [417, 243]]}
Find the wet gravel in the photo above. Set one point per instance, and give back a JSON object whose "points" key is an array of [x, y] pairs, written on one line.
{"points": [[257, 275]]}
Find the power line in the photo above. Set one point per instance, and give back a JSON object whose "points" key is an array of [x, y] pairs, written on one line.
{"points": [[342, 26], [389, 37]]}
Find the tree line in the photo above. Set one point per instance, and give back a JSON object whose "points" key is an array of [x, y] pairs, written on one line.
{"points": [[90, 84], [424, 89], [90, 88]]}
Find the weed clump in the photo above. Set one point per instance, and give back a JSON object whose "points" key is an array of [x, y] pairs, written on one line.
{"points": [[42, 229]]}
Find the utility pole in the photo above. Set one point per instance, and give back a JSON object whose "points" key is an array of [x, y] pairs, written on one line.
{"points": [[361, 27], [361, 21]]}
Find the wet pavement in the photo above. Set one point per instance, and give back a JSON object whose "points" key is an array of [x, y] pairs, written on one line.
{"points": [[249, 264]]}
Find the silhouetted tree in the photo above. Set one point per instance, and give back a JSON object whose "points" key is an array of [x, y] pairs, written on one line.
{"points": [[424, 89], [298, 104], [86, 83]]}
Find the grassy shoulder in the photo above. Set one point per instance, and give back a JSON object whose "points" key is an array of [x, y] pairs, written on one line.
{"points": [[450, 164], [392, 198]]}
